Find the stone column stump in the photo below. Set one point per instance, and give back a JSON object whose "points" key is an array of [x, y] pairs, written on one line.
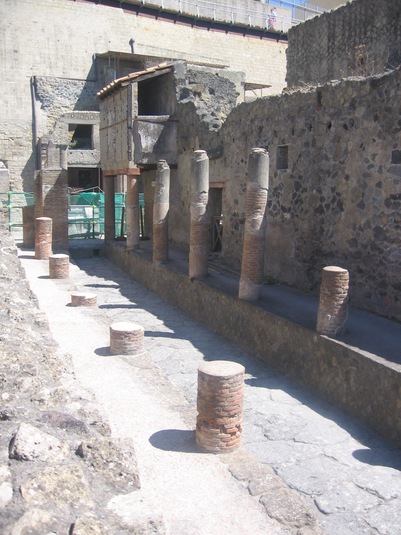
{"points": [[199, 223], [82, 299], [161, 205], [219, 404], [59, 266], [43, 237], [132, 213], [333, 302], [253, 252], [126, 338]]}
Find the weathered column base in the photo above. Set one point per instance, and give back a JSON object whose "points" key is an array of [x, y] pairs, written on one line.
{"points": [[79, 299], [59, 266], [333, 303], [126, 338], [220, 401], [43, 237]]}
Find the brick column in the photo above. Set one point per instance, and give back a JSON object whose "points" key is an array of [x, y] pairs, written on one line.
{"points": [[253, 251], [132, 213], [199, 228], [59, 266], [126, 338], [333, 303], [161, 206], [79, 299], [51, 192], [109, 208], [43, 237], [219, 404]]}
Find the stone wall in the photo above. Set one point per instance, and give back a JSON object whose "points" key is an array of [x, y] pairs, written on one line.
{"points": [[55, 445], [364, 386], [359, 39], [335, 171], [52, 41]]}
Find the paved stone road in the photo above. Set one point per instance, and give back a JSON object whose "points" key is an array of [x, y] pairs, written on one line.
{"points": [[350, 477]]}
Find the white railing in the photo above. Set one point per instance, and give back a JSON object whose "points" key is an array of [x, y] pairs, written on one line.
{"points": [[255, 14]]}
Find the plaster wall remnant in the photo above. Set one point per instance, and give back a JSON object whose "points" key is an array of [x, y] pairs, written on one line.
{"points": [[160, 212], [199, 236], [333, 303], [251, 279]]}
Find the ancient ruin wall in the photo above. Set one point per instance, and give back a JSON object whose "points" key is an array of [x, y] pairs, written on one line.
{"points": [[57, 40], [335, 174], [358, 39]]}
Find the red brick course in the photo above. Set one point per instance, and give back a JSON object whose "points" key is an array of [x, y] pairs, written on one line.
{"points": [[59, 266], [333, 302], [43, 237], [220, 402], [126, 338]]}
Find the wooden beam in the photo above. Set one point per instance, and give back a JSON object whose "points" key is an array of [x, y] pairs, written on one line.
{"points": [[129, 171]]}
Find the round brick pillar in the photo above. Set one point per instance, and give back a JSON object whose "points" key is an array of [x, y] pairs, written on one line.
{"points": [[126, 338], [79, 299], [43, 237], [59, 266], [253, 251], [199, 223], [220, 401], [333, 303], [161, 205]]}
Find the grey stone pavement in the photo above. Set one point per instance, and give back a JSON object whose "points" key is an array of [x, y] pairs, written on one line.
{"points": [[347, 476]]}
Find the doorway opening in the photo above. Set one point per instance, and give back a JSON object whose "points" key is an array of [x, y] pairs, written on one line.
{"points": [[215, 206]]}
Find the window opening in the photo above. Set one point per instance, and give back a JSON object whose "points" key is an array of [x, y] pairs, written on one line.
{"points": [[80, 136], [282, 157]]}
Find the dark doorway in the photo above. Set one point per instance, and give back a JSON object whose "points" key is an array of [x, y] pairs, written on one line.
{"points": [[215, 207], [81, 178]]}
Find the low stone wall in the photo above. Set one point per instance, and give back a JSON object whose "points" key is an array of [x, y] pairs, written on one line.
{"points": [[59, 465], [366, 387]]}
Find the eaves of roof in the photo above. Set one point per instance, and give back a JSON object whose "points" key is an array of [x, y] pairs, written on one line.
{"points": [[138, 76]]}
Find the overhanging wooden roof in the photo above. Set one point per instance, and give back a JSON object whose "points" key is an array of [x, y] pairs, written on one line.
{"points": [[134, 77]]}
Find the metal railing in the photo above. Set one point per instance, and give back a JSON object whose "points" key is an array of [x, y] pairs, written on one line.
{"points": [[85, 214], [257, 17]]}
